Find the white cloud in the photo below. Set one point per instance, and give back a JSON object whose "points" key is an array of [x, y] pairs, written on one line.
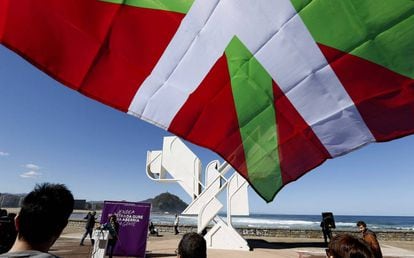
{"points": [[32, 167], [33, 171], [2, 153], [31, 174]]}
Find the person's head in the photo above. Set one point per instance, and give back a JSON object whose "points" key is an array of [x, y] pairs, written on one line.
{"points": [[93, 213], [44, 214], [112, 218], [192, 245], [348, 246], [3, 212], [361, 226]]}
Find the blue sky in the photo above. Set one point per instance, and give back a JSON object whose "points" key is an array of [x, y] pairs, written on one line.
{"points": [[49, 133]]}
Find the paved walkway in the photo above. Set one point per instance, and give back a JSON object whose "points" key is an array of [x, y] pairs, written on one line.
{"points": [[164, 246]]}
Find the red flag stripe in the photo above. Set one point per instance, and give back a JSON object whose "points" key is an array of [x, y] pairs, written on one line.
{"points": [[384, 98], [137, 39], [52, 38], [103, 50]]}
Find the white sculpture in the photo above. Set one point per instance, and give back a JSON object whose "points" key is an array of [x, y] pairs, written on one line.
{"points": [[101, 242], [184, 167]]}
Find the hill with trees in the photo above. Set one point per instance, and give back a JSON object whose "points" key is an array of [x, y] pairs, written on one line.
{"points": [[167, 202], [162, 203]]}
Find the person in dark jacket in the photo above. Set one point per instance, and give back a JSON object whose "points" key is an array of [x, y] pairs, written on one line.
{"points": [[113, 227], [89, 226], [326, 230], [370, 238]]}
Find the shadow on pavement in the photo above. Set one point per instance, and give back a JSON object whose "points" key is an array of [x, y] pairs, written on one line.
{"points": [[260, 243]]}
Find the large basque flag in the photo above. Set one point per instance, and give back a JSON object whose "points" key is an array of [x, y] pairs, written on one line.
{"points": [[275, 87]]}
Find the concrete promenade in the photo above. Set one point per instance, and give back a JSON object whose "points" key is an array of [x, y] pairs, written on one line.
{"points": [[165, 245], [267, 243]]}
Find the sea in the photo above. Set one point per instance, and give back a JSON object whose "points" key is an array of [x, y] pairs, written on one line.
{"points": [[342, 222]]}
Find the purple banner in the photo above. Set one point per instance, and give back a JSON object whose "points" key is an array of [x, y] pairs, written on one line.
{"points": [[133, 219]]}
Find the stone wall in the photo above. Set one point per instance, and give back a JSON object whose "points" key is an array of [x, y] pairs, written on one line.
{"points": [[298, 233], [79, 225]]}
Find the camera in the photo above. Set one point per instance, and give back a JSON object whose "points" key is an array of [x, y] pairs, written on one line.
{"points": [[8, 231], [328, 219]]}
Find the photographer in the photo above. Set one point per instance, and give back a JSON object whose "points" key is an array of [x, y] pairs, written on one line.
{"points": [[8, 231]]}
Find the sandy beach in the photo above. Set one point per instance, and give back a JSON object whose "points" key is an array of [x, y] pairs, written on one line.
{"points": [[165, 245]]}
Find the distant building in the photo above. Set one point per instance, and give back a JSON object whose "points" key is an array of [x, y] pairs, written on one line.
{"points": [[94, 205], [79, 204]]}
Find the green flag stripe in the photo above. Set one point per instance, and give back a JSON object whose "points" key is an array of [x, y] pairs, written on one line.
{"points": [[253, 97], [380, 31], [179, 6]]}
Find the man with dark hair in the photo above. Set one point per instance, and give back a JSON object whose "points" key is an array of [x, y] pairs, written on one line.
{"points": [[370, 238], [192, 245], [43, 216]]}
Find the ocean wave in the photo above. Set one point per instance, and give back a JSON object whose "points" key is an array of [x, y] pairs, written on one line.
{"points": [[256, 221], [345, 224], [299, 221], [405, 228]]}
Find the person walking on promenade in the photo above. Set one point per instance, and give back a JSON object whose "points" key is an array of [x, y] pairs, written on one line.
{"points": [[326, 230], [370, 238], [348, 246], [113, 227], [43, 215], [176, 223], [192, 245], [89, 226]]}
